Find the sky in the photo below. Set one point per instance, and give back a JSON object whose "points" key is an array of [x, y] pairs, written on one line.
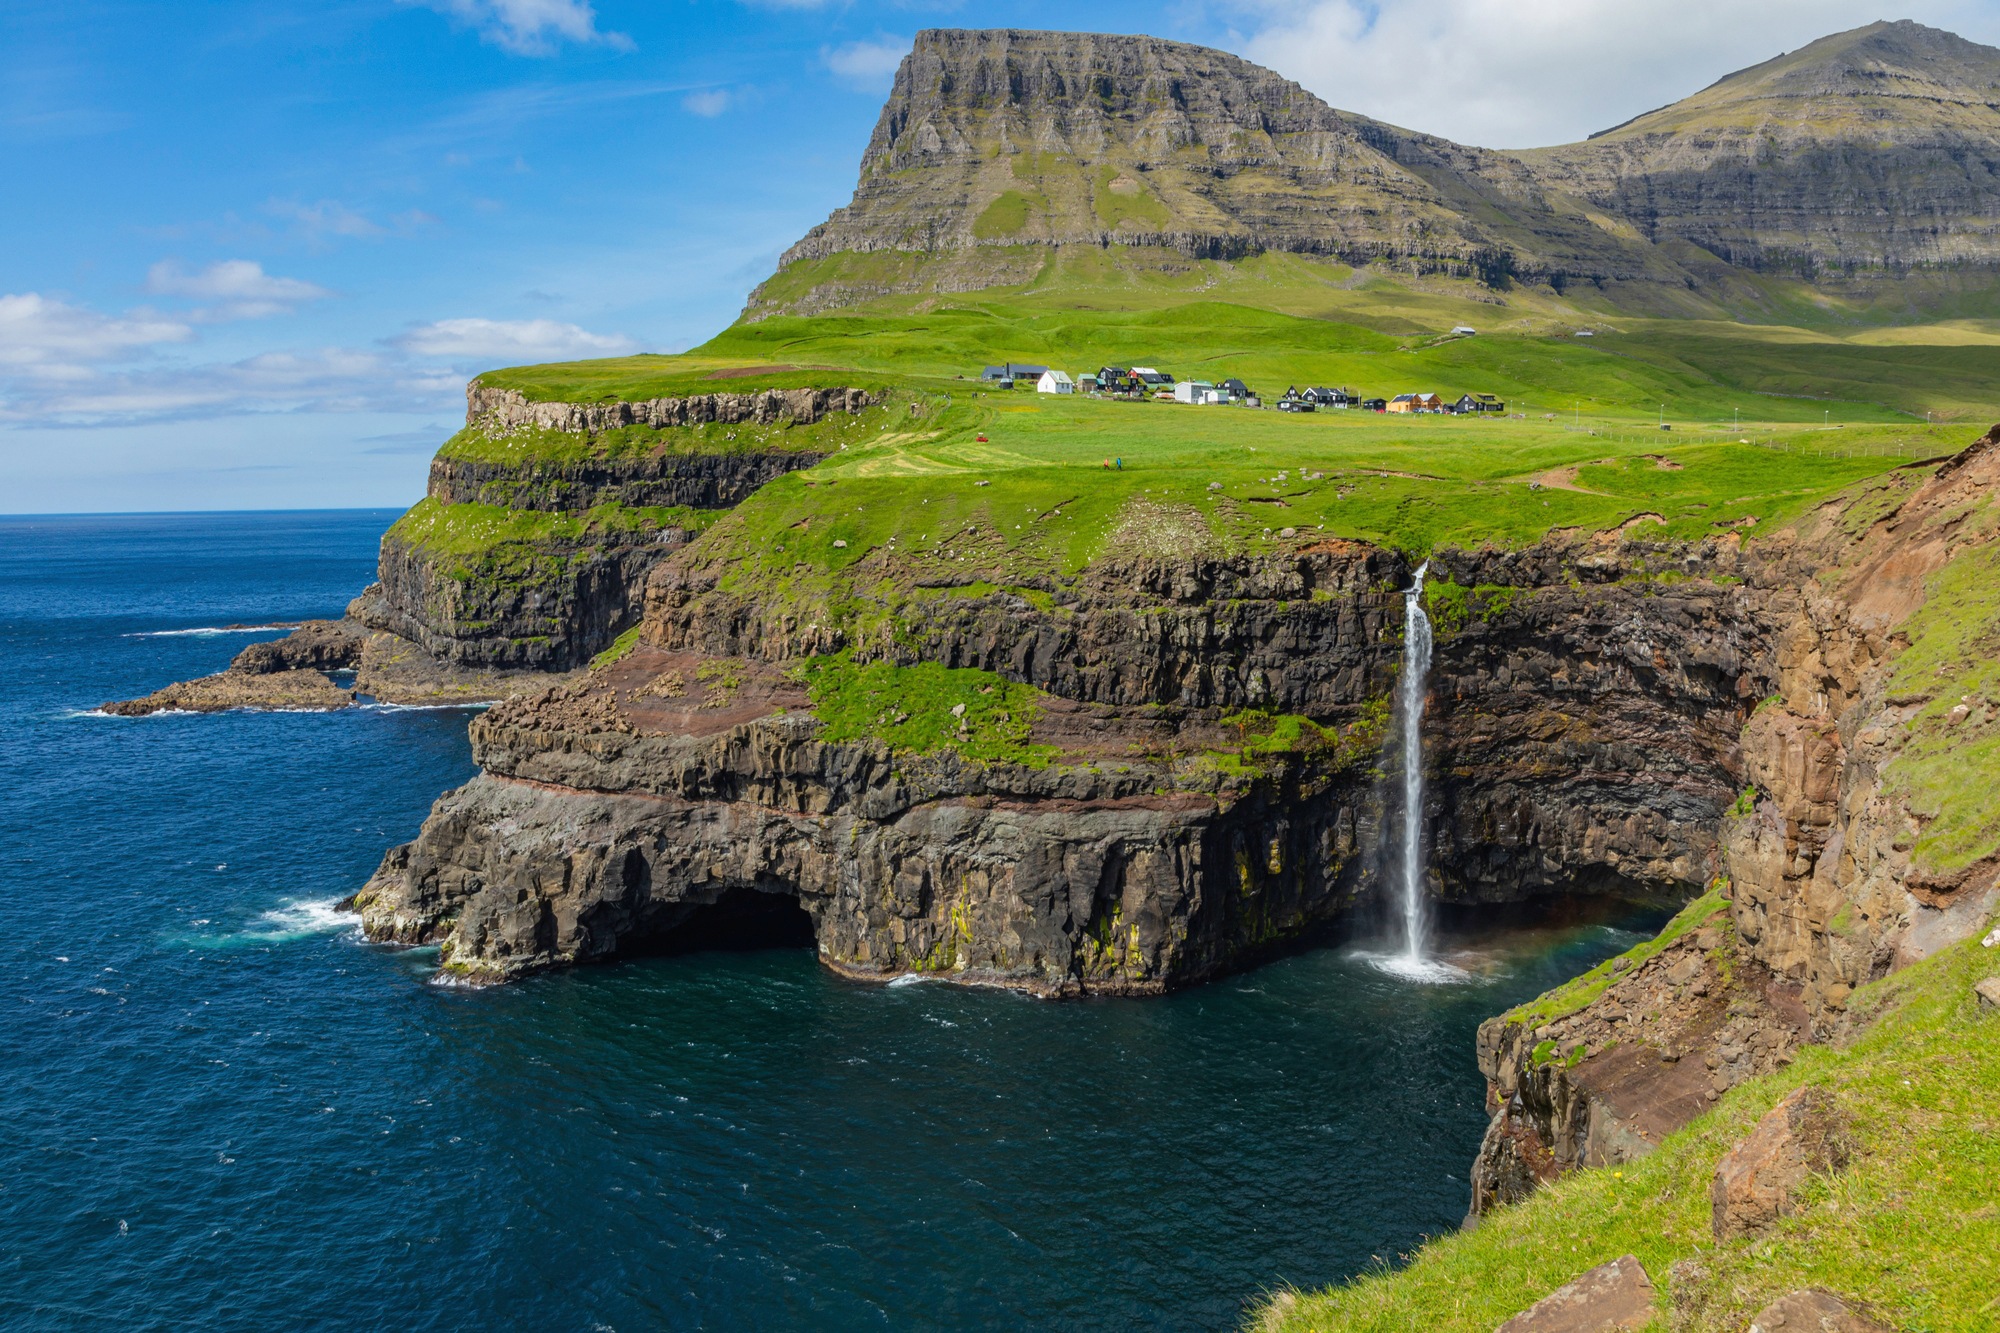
{"points": [[251, 250]]}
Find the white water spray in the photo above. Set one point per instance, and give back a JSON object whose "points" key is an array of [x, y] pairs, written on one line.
{"points": [[1410, 693]]}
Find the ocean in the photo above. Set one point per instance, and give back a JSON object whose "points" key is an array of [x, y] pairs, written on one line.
{"points": [[224, 1110]]}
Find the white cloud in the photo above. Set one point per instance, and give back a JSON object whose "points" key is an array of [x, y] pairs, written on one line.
{"points": [[530, 27], [707, 102], [515, 340], [326, 218], [52, 339], [331, 379], [1522, 73], [869, 66], [241, 286]]}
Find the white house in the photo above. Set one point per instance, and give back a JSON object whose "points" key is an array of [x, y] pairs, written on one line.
{"points": [[1465, 331], [1055, 381], [1193, 391]]}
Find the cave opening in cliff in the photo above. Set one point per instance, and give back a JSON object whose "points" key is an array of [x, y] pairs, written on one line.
{"points": [[742, 919]]}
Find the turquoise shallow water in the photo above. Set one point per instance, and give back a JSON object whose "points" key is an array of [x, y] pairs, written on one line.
{"points": [[222, 1110]]}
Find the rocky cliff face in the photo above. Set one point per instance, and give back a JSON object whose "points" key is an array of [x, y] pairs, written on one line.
{"points": [[550, 601], [1583, 736], [1821, 856], [1871, 150], [993, 140]]}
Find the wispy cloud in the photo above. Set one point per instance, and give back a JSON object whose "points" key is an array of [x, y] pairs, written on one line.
{"points": [[332, 379], [319, 223], [422, 440], [708, 102], [241, 288], [54, 340], [869, 66], [63, 364], [530, 27], [463, 340]]}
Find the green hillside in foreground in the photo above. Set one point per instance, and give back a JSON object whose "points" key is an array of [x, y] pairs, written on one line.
{"points": [[1909, 1227]]}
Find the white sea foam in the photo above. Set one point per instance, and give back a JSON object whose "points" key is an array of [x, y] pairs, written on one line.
{"points": [[299, 919], [377, 706], [206, 630], [907, 979], [1423, 971]]}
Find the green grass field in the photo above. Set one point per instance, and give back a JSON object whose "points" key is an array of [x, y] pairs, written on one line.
{"points": [[1035, 497]]}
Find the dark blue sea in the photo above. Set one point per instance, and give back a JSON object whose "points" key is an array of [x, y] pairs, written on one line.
{"points": [[222, 1109]]}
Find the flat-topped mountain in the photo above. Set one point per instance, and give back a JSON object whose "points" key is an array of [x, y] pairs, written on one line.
{"points": [[1875, 149]]}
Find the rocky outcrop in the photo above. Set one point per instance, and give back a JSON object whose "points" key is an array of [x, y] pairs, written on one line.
{"points": [[548, 605], [552, 602], [502, 411], [1814, 1310], [302, 690], [297, 672]]}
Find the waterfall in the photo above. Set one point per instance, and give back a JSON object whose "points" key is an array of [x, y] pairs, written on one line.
{"points": [[1410, 692]]}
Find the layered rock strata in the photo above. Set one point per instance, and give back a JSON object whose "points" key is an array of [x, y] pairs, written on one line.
{"points": [[1133, 862], [1867, 154], [551, 603]]}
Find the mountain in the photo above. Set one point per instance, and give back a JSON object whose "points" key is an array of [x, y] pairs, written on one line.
{"points": [[1000, 151], [1876, 148], [996, 147]]}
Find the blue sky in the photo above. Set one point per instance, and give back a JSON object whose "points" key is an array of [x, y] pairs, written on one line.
{"points": [[250, 252]]}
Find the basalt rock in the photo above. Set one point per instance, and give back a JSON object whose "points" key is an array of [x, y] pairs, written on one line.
{"points": [[694, 481], [613, 812], [632, 803], [298, 690], [499, 411]]}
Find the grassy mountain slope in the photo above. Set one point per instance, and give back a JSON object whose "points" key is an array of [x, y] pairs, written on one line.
{"points": [[1865, 150]]}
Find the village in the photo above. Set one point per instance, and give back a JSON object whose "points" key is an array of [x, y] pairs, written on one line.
{"points": [[1147, 384]]}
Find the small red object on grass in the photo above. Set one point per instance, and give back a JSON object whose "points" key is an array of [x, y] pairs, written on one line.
{"points": [[980, 438]]}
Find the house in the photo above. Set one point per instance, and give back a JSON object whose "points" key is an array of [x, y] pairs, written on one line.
{"points": [[1152, 378], [1055, 381], [1464, 331], [1005, 374], [1373, 404], [1416, 402], [1234, 389], [1471, 403], [1340, 398], [1193, 391], [1586, 333]]}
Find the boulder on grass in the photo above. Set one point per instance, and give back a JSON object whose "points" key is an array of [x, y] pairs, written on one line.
{"points": [[1813, 1311], [1757, 1180], [1609, 1298]]}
